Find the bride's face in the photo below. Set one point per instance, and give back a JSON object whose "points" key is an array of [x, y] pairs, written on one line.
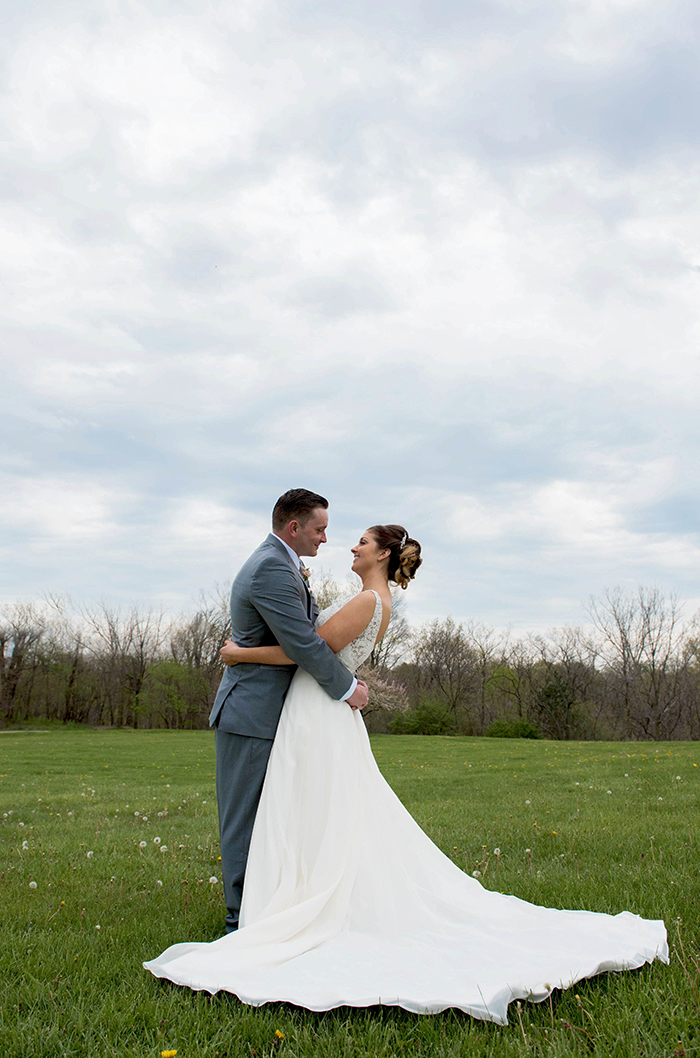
{"points": [[367, 554]]}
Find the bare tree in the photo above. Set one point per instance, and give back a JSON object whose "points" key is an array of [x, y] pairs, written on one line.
{"points": [[448, 662], [642, 648], [124, 645], [22, 626], [396, 642], [488, 645]]}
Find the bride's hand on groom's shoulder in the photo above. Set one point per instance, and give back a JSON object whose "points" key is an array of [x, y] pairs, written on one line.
{"points": [[229, 653]]}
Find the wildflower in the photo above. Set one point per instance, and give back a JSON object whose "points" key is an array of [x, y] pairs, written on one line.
{"points": [[678, 778], [137, 813], [164, 848], [527, 802], [279, 1035], [168, 1054], [659, 798], [609, 791], [527, 852], [167, 786], [476, 874], [626, 775], [25, 845], [142, 844], [159, 882], [70, 813], [89, 855], [98, 927], [21, 824], [213, 880], [32, 885], [204, 802], [497, 852], [156, 841], [145, 818]]}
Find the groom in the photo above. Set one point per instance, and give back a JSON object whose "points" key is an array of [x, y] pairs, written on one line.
{"points": [[270, 603]]}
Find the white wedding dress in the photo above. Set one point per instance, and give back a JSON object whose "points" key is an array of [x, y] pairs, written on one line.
{"points": [[347, 902]]}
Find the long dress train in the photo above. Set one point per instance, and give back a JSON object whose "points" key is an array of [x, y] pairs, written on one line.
{"points": [[347, 901]]}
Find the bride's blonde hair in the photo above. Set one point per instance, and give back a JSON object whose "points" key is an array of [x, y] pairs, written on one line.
{"points": [[404, 552]]}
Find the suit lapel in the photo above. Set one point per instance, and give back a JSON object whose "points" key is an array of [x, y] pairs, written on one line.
{"points": [[305, 595]]}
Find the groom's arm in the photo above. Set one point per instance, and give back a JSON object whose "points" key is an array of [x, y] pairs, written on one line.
{"points": [[275, 596]]}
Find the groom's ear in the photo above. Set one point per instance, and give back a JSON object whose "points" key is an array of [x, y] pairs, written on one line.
{"points": [[293, 527]]}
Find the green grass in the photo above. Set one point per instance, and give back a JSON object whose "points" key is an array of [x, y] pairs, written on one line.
{"points": [[609, 826]]}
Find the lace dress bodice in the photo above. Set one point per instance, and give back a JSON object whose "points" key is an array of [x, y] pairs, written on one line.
{"points": [[359, 649]]}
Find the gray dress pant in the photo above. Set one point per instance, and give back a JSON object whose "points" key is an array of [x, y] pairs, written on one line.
{"points": [[241, 763]]}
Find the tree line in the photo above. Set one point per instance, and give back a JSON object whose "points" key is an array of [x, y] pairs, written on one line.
{"points": [[633, 672]]}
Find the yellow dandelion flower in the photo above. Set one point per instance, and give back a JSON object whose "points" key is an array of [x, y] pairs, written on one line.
{"points": [[279, 1035], [168, 1054]]}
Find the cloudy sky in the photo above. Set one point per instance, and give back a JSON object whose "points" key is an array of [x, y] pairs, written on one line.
{"points": [[436, 259]]}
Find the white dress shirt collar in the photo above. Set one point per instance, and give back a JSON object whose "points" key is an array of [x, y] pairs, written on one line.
{"points": [[292, 554]]}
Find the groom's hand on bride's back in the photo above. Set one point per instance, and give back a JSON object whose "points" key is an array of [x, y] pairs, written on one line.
{"points": [[359, 697]]}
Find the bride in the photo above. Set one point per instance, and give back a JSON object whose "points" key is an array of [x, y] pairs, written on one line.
{"points": [[346, 901]]}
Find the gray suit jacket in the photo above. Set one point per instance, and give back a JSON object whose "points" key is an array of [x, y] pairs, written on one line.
{"points": [[270, 603]]}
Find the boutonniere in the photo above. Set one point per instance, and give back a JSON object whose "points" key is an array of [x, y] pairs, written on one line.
{"points": [[305, 573]]}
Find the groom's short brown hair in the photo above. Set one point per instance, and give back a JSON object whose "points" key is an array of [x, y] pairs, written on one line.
{"points": [[297, 503]]}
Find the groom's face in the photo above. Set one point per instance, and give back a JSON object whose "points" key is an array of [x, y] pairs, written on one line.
{"points": [[312, 533]]}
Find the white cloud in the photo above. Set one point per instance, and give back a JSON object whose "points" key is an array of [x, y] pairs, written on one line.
{"points": [[432, 261]]}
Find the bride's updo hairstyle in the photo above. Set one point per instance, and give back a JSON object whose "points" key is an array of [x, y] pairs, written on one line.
{"points": [[404, 553]]}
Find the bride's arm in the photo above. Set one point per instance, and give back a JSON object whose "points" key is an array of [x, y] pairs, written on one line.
{"points": [[338, 631], [232, 654], [349, 621]]}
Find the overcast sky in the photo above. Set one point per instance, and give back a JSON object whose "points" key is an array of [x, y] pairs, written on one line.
{"points": [[439, 261]]}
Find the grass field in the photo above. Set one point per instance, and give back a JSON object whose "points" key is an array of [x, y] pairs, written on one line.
{"points": [[118, 830]]}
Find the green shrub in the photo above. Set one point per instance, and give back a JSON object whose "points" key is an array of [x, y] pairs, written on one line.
{"points": [[430, 718], [512, 727]]}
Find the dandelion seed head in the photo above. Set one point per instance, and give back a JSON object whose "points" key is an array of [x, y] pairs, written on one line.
{"points": [[32, 885], [142, 844], [156, 841], [213, 880], [159, 882], [476, 874], [90, 854], [164, 848]]}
